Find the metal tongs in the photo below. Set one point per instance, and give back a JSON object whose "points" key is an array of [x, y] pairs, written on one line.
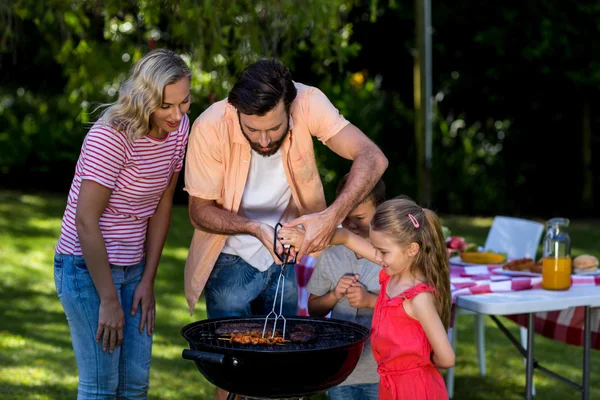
{"points": [[280, 283]]}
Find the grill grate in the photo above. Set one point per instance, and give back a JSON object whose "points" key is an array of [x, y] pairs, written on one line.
{"points": [[329, 334]]}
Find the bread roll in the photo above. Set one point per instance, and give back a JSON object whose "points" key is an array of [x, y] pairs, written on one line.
{"points": [[585, 263]]}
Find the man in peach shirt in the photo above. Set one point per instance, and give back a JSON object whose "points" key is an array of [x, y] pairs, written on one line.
{"points": [[250, 164]]}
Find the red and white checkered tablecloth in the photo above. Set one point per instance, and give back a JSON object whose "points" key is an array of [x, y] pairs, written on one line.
{"points": [[304, 270], [564, 326]]}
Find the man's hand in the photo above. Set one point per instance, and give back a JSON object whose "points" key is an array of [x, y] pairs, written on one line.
{"points": [[319, 229], [144, 295], [266, 235], [359, 297], [343, 285]]}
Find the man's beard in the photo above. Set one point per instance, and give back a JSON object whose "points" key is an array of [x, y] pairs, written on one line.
{"points": [[273, 146]]}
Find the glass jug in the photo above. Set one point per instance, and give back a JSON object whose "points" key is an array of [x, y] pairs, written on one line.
{"points": [[556, 263]]}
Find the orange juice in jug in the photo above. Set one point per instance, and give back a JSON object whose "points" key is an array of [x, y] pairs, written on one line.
{"points": [[556, 264], [556, 273]]}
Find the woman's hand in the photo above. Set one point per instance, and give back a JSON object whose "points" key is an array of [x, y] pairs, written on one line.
{"points": [[111, 320], [144, 295]]}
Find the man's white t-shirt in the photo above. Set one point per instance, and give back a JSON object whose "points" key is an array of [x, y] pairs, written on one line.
{"points": [[266, 197]]}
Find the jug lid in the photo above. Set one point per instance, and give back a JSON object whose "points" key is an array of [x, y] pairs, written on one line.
{"points": [[557, 221]]}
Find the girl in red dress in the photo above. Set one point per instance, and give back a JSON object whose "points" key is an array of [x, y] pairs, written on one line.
{"points": [[409, 332]]}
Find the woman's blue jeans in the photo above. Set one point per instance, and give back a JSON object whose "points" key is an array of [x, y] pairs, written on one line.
{"points": [[125, 373]]}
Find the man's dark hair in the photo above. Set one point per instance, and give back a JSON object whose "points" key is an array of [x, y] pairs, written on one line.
{"points": [[376, 195], [261, 86]]}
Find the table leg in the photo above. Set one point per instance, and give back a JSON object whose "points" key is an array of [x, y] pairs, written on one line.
{"points": [[586, 352], [529, 360]]}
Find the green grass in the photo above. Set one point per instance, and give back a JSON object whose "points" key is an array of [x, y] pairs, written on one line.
{"points": [[36, 358]]}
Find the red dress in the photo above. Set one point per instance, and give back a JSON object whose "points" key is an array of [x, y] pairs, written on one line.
{"points": [[401, 349]]}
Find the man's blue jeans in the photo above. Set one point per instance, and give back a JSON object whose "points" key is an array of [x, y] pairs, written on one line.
{"points": [[125, 373], [236, 289]]}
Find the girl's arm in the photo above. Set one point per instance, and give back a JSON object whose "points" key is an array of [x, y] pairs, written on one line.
{"points": [[424, 310], [294, 236], [158, 226], [357, 244]]}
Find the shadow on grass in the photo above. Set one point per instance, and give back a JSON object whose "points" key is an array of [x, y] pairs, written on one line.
{"points": [[23, 315], [505, 366], [34, 392]]}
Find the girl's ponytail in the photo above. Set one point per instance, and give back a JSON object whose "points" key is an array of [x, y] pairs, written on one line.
{"points": [[435, 265]]}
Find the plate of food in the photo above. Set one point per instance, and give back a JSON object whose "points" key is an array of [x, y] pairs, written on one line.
{"points": [[478, 258], [516, 273], [520, 267]]}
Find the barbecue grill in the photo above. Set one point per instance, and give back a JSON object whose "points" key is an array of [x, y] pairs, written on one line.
{"points": [[278, 370]]}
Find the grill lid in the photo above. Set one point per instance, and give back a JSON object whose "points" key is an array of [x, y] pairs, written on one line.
{"points": [[328, 333]]}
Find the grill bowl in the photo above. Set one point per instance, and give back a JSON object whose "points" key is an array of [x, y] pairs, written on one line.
{"points": [[279, 371]]}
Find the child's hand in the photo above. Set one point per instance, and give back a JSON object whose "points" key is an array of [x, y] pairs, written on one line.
{"points": [[343, 285], [293, 236], [359, 297]]}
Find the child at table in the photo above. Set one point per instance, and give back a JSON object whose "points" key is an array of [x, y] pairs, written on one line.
{"points": [[347, 286], [412, 311]]}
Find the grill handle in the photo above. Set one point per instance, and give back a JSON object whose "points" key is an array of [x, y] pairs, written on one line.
{"points": [[196, 355]]}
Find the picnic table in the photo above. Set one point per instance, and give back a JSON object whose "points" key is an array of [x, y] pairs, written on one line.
{"points": [[563, 325]]}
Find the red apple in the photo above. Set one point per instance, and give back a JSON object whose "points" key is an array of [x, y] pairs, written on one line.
{"points": [[457, 243]]}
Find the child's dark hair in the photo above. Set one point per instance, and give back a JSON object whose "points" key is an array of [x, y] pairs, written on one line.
{"points": [[376, 195], [261, 87], [407, 222]]}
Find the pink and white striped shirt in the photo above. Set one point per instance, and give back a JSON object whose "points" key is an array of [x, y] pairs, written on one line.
{"points": [[137, 173]]}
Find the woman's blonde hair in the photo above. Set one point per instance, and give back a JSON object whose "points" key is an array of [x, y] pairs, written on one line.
{"points": [[142, 92], [406, 222]]}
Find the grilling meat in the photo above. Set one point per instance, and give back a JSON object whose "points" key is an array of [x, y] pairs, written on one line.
{"points": [[237, 327], [303, 337], [255, 337], [306, 328], [251, 333]]}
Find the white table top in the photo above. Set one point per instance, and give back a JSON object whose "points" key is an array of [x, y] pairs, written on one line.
{"points": [[530, 301]]}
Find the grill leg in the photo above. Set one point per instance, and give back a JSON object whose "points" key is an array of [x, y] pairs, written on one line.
{"points": [[231, 396]]}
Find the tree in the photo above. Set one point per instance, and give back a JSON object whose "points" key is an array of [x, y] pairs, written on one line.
{"points": [[60, 59]]}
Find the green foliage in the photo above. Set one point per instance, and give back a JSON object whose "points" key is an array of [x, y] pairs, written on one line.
{"points": [[512, 85], [509, 86], [361, 99], [92, 45]]}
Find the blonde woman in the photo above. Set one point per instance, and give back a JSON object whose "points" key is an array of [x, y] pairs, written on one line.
{"points": [[115, 223]]}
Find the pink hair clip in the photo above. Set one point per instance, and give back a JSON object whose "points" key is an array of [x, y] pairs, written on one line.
{"points": [[413, 220]]}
